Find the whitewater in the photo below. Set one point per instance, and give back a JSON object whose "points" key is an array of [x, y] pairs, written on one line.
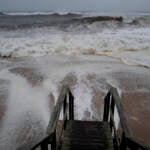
{"points": [[75, 34], [89, 52]]}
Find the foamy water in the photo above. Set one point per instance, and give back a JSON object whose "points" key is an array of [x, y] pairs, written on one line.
{"points": [[128, 41], [26, 107], [57, 53]]}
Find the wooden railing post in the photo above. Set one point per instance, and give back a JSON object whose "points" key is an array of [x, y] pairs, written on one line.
{"points": [[65, 112], [71, 106], [44, 145], [123, 145], [106, 107], [64, 106], [53, 143], [112, 107]]}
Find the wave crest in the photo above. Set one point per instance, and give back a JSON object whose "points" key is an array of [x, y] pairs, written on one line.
{"points": [[67, 20]]}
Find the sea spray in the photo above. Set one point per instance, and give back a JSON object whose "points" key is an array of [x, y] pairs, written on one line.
{"points": [[27, 113]]}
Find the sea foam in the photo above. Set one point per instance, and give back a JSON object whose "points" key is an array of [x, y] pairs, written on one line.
{"points": [[129, 45]]}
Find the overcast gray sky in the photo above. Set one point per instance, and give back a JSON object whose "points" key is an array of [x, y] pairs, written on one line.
{"points": [[76, 5]]}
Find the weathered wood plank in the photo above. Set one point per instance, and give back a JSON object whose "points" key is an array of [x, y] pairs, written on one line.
{"points": [[89, 135], [123, 120], [55, 115]]}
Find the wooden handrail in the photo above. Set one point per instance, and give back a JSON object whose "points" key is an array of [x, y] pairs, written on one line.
{"points": [[47, 139], [122, 116], [137, 144], [111, 100], [51, 129], [56, 113]]}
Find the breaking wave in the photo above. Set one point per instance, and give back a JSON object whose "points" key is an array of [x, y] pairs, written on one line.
{"points": [[141, 21], [129, 46], [67, 19], [124, 37], [51, 20]]}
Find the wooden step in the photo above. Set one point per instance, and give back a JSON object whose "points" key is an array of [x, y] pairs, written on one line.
{"points": [[87, 135]]}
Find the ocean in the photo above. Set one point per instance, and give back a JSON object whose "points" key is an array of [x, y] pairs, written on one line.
{"points": [[122, 36], [89, 52]]}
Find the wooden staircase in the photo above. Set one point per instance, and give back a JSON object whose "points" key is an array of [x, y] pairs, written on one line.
{"points": [[70, 134], [87, 135]]}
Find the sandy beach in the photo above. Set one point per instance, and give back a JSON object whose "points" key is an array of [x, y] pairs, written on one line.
{"points": [[30, 86]]}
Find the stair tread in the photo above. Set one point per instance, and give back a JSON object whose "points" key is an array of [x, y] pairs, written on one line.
{"points": [[90, 135]]}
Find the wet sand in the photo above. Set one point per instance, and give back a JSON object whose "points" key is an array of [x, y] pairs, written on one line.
{"points": [[137, 108], [30, 74], [134, 86]]}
